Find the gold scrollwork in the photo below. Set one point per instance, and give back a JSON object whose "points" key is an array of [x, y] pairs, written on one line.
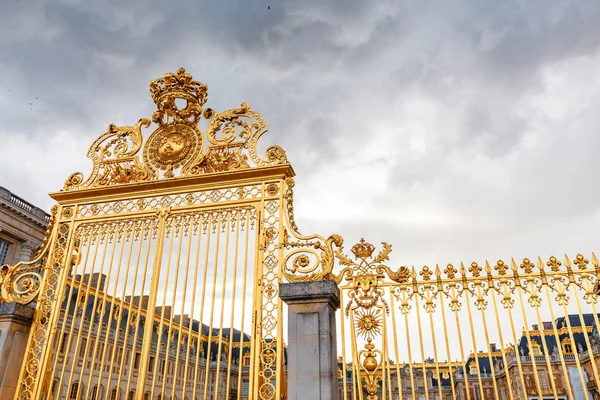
{"points": [[177, 144]]}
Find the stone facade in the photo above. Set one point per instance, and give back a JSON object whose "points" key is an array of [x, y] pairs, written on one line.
{"points": [[22, 227], [22, 230]]}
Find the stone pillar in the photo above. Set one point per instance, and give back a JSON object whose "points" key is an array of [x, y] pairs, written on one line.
{"points": [[15, 323], [312, 348]]}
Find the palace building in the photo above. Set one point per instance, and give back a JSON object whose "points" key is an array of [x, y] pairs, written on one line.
{"points": [[542, 360]]}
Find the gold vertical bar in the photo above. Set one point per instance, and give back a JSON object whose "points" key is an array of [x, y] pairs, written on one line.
{"points": [[501, 338], [516, 344], [343, 340], [485, 328], [149, 323], [64, 324], [466, 292], [233, 296], [583, 325], [72, 329], [577, 361], [440, 297], [395, 333], [181, 322], [54, 314], [202, 297], [240, 360], [223, 289], [212, 304], [455, 294], [386, 359], [110, 231], [416, 290], [410, 358], [122, 307], [280, 378], [518, 288], [435, 355], [256, 335], [140, 306], [356, 357], [166, 278], [558, 345], [104, 310], [179, 223]]}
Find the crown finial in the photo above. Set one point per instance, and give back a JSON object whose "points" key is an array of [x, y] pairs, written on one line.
{"points": [[363, 249], [173, 86]]}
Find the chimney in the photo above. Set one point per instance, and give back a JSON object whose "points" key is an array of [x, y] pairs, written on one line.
{"points": [[96, 279], [535, 327], [138, 301], [493, 347]]}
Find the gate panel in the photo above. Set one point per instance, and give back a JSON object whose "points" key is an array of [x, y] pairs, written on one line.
{"points": [[192, 271], [517, 331], [159, 278]]}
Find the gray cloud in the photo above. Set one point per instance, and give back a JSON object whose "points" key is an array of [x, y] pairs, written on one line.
{"points": [[467, 129]]}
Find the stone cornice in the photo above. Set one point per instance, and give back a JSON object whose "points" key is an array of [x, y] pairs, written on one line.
{"points": [[23, 209]]}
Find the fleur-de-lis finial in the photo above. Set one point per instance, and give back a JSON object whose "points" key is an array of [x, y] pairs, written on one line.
{"points": [[527, 266], [580, 261], [500, 267], [475, 269], [554, 264], [450, 271], [425, 273]]}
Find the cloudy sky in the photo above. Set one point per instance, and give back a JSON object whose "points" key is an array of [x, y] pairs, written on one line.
{"points": [[452, 130]]}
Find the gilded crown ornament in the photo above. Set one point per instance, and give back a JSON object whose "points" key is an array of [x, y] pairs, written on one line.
{"points": [[362, 249], [178, 147]]}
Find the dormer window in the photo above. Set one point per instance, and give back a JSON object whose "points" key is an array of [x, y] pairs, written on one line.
{"points": [[536, 348], [567, 346]]}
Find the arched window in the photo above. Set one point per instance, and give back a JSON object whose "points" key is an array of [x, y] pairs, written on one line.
{"points": [[95, 395], [74, 392], [147, 396], [131, 395], [55, 389], [114, 394]]}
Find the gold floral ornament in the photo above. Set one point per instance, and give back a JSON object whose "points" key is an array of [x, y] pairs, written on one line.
{"points": [[177, 146]]}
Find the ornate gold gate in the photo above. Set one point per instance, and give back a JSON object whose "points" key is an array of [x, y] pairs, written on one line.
{"points": [[159, 274], [517, 330], [158, 278]]}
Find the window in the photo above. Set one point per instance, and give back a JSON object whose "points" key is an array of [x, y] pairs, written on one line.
{"points": [[74, 391], [95, 395], [473, 370], [162, 366], [4, 246], [63, 342], [131, 395], [151, 364], [114, 395], [82, 347], [535, 346], [147, 396], [136, 361], [567, 346], [54, 389], [543, 380]]}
